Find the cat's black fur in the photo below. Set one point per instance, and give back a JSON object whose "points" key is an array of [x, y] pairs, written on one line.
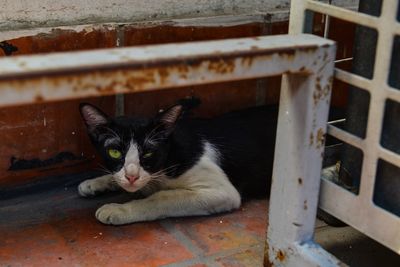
{"points": [[245, 141]]}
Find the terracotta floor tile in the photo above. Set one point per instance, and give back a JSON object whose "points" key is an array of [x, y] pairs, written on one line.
{"points": [[141, 244], [250, 257], [64, 232], [82, 241], [198, 265], [40, 245], [246, 226]]}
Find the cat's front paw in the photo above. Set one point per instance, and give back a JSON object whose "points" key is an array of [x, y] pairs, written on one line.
{"points": [[115, 214], [87, 188]]}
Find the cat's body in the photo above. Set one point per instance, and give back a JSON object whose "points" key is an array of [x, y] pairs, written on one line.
{"points": [[184, 166]]}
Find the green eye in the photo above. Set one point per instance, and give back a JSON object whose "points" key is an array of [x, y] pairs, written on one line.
{"points": [[147, 155], [114, 153]]}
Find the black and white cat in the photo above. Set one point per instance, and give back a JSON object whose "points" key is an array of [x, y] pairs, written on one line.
{"points": [[184, 166]]}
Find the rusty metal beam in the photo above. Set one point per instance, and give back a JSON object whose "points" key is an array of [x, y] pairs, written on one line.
{"points": [[60, 76]]}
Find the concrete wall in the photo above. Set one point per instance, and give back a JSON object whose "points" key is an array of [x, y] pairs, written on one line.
{"points": [[45, 13], [22, 14]]}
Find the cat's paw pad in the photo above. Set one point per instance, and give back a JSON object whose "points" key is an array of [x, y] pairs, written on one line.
{"points": [[87, 189], [112, 214]]}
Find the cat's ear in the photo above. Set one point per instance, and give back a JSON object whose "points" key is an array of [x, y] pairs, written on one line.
{"points": [[92, 116], [169, 117]]}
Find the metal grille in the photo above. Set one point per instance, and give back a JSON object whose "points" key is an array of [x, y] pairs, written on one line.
{"points": [[357, 210]]}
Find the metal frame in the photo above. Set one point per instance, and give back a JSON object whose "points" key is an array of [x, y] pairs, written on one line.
{"points": [[307, 62], [60, 76], [291, 227]]}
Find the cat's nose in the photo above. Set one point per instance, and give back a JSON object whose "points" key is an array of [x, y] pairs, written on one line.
{"points": [[131, 179], [131, 170]]}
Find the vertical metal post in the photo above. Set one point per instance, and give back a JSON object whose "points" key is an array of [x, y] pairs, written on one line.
{"points": [[302, 123]]}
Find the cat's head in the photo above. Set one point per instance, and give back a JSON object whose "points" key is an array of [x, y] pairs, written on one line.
{"points": [[134, 149]]}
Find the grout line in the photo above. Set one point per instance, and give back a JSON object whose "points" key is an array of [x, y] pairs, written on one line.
{"points": [[182, 238], [199, 260], [210, 260]]}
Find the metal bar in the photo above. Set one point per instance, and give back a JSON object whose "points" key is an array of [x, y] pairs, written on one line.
{"points": [[393, 94], [389, 156], [31, 79], [302, 123], [352, 79], [342, 13], [298, 14], [364, 83], [377, 103], [352, 209], [346, 137]]}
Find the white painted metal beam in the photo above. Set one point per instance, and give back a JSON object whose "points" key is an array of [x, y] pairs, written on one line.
{"points": [[59, 76]]}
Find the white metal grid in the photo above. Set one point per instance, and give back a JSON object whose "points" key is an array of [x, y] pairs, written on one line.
{"points": [[356, 210]]}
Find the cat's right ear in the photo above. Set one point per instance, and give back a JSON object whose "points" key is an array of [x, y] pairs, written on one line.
{"points": [[92, 116]]}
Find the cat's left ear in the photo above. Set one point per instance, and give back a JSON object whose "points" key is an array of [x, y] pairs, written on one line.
{"points": [[169, 117], [92, 116]]}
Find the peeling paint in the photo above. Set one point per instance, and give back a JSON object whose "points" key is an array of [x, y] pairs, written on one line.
{"points": [[55, 77], [320, 138]]}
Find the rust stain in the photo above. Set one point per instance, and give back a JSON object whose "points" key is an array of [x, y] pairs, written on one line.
{"points": [[287, 54], [22, 64], [300, 181], [320, 139], [39, 99], [163, 75], [311, 139], [280, 255], [266, 262], [147, 78], [247, 61], [182, 70], [222, 66], [320, 92], [325, 56]]}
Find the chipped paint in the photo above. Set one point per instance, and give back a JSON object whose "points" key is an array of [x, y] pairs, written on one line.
{"points": [[320, 138], [62, 76], [280, 255], [300, 181]]}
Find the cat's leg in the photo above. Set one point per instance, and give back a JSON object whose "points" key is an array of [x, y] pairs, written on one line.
{"points": [[97, 185], [169, 203], [203, 190]]}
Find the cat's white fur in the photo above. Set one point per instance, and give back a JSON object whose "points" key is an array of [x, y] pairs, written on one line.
{"points": [[204, 189], [132, 168]]}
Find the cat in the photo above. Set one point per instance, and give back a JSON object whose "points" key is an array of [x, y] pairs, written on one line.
{"points": [[184, 166]]}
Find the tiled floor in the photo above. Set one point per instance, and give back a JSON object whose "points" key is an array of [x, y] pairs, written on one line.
{"points": [[54, 227], [57, 228]]}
